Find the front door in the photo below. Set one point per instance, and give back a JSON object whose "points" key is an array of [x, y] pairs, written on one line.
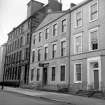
{"points": [[44, 76], [96, 79]]}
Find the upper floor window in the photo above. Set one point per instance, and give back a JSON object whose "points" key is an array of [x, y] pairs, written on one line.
{"points": [[40, 36], [29, 24], [78, 43], [79, 18], [53, 73], [94, 10], [93, 39], [39, 54], [46, 33], [77, 72], [64, 25], [21, 29], [18, 43], [21, 41], [54, 50], [34, 39], [20, 55], [27, 53], [46, 53], [63, 48], [27, 38], [33, 56], [62, 77], [54, 29], [15, 44]]}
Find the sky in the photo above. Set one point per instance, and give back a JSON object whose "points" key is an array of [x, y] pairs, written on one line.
{"points": [[13, 12]]}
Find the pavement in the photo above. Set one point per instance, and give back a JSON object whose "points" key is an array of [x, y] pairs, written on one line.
{"points": [[60, 97]]}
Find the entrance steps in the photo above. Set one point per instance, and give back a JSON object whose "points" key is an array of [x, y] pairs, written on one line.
{"points": [[90, 93], [50, 88]]}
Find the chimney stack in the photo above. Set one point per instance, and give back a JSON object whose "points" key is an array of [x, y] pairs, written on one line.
{"points": [[33, 6], [72, 5], [54, 5]]}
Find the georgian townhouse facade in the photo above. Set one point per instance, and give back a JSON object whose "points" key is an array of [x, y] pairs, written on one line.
{"points": [[17, 58], [87, 49], [49, 64], [2, 60]]}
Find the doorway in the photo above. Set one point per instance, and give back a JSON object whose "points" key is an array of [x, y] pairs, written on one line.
{"points": [[96, 79], [45, 76], [94, 73]]}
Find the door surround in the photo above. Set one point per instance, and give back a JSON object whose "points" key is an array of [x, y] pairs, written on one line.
{"points": [[90, 72]]}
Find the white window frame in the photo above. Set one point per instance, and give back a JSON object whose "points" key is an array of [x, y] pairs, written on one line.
{"points": [[77, 35], [75, 80], [46, 45], [89, 42], [57, 29], [65, 23], [45, 33], [40, 54], [92, 3], [64, 39], [79, 10], [52, 50], [34, 38], [33, 75], [40, 35], [32, 55]]}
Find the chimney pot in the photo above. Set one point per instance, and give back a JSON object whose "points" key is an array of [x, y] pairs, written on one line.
{"points": [[72, 5]]}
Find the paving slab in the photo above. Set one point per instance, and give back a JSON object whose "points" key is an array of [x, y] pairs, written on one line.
{"points": [[67, 98]]}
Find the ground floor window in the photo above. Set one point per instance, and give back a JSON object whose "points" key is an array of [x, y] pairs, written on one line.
{"points": [[38, 74], [77, 72], [62, 76], [32, 74], [53, 73]]}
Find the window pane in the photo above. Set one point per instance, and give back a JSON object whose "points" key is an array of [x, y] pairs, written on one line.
{"points": [[39, 54], [78, 44], [34, 39], [38, 74], [33, 56], [78, 72], [54, 50], [32, 74], [78, 15], [46, 33], [63, 48], [94, 8], [94, 40], [62, 73], [54, 29], [94, 65], [53, 73], [40, 35], [46, 53], [79, 19], [64, 25], [94, 11], [27, 38], [21, 41]]}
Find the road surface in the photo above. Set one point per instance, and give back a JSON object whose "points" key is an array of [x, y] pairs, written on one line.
{"points": [[8, 98]]}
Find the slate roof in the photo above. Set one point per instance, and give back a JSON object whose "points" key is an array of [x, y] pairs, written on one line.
{"points": [[50, 18]]}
